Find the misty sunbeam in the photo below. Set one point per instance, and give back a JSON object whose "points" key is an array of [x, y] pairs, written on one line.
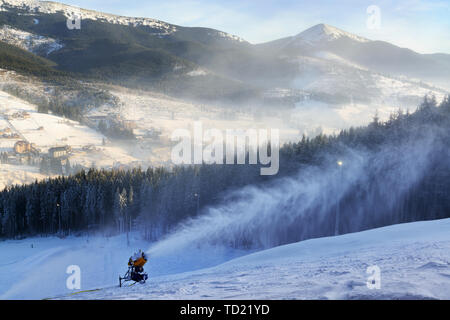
{"points": [[364, 187]]}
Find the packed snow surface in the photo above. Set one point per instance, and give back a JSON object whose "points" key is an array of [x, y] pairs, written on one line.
{"points": [[414, 261]]}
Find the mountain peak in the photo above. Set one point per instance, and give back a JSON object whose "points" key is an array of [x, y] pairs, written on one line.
{"points": [[325, 33]]}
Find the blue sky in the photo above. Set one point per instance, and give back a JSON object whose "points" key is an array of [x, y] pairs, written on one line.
{"points": [[421, 25]]}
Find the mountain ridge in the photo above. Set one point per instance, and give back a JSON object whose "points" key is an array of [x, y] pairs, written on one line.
{"points": [[146, 51], [51, 7]]}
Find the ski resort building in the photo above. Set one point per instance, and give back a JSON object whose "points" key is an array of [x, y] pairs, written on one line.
{"points": [[22, 147], [59, 152]]}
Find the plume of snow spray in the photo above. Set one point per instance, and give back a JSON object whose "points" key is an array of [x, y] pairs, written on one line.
{"points": [[302, 206]]}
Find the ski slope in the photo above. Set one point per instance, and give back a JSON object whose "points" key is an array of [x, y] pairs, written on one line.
{"points": [[414, 260], [35, 268]]}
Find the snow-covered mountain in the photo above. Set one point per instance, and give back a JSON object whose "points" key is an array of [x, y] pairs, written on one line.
{"points": [[322, 69], [348, 72], [320, 34], [187, 49], [129, 50], [326, 41], [49, 7], [32, 7]]}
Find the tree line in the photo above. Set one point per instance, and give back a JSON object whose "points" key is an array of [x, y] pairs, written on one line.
{"points": [[156, 200]]}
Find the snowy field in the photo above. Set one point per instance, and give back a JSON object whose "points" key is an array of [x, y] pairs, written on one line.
{"points": [[47, 131], [18, 174], [414, 260]]}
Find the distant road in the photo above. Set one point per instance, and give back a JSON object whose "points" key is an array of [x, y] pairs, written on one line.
{"points": [[15, 130]]}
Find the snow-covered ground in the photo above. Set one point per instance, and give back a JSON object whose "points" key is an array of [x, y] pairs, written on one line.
{"points": [[28, 41], [413, 259], [385, 95], [46, 131], [36, 268], [18, 174]]}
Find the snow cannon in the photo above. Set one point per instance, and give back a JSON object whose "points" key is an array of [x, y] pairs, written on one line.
{"points": [[139, 262], [135, 269]]}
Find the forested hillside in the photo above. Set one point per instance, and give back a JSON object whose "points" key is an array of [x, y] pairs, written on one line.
{"points": [[14, 58], [155, 201], [147, 55]]}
